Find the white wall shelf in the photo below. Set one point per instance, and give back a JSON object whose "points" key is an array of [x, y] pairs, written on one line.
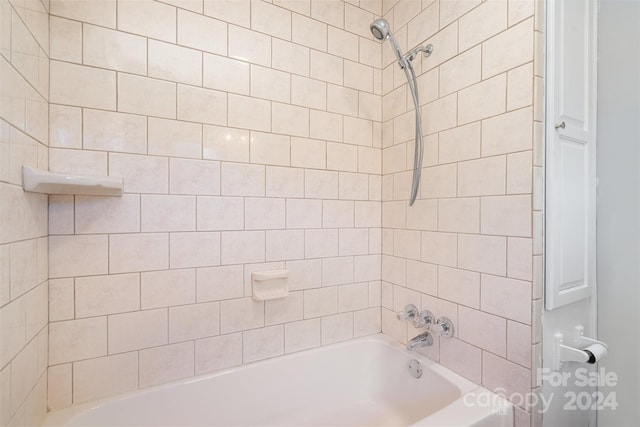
{"points": [[41, 181]]}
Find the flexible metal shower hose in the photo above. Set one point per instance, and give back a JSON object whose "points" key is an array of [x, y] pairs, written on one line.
{"points": [[419, 143]]}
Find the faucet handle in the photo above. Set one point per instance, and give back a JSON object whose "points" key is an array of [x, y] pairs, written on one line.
{"points": [[444, 327], [409, 313], [425, 320]]}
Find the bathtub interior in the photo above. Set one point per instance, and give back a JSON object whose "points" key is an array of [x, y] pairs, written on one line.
{"points": [[358, 383]]}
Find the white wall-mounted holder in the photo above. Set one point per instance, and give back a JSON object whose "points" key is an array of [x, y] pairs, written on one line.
{"points": [[269, 285], [41, 181], [584, 350]]}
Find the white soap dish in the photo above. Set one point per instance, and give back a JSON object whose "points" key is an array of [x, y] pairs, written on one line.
{"points": [[41, 181], [269, 285]]}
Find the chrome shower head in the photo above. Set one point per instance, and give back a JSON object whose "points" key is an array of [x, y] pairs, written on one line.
{"points": [[380, 29]]}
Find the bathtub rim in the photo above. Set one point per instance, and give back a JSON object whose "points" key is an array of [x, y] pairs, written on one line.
{"points": [[60, 417]]}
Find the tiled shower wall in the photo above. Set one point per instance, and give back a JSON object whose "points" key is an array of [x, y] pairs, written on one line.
{"points": [[465, 249], [24, 92], [248, 136]]}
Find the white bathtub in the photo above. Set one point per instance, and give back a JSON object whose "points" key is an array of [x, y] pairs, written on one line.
{"points": [[364, 382]]}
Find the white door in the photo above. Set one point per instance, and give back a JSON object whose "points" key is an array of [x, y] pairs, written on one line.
{"points": [[570, 207]]}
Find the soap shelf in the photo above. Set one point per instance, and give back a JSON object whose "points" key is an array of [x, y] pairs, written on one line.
{"points": [[41, 181], [270, 285]]}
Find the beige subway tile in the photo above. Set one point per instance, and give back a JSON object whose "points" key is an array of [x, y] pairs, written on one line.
{"points": [[447, 42], [249, 113], [482, 23], [77, 255], [263, 343], [358, 131], [321, 184], [461, 215], [304, 213], [404, 11], [342, 157], [270, 84], [460, 143], [65, 39], [325, 125], [308, 92], [290, 120], [59, 382], [308, 153], [240, 247], [303, 274], [242, 180], [461, 71], [220, 213], [342, 100], [482, 177], [487, 254], [167, 288], [175, 63], [353, 241], [271, 19], [218, 283], [440, 115], [82, 86], [61, 299], [100, 295], [148, 18], [284, 182], [241, 314], [290, 57], [302, 335], [500, 373], [141, 174], [13, 327], [353, 186], [101, 12], [167, 213], [137, 330], [80, 162], [439, 248], [218, 353], [370, 161], [353, 297], [342, 43], [167, 363], [507, 215], [483, 330], [109, 131], [329, 11], [519, 343], [424, 25], [284, 310], [507, 50], [452, 10], [520, 87], [321, 243], [337, 271], [519, 258], [189, 322], [439, 181], [309, 32], [201, 32], [174, 138], [506, 297], [234, 11], [196, 249], [105, 376], [325, 67], [114, 50], [194, 177], [146, 96], [337, 328], [320, 302], [65, 126], [422, 277], [202, 105], [107, 215], [482, 100], [138, 252], [461, 357], [423, 215], [222, 143], [77, 339], [264, 213], [250, 46], [337, 213], [507, 133], [226, 74]]}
